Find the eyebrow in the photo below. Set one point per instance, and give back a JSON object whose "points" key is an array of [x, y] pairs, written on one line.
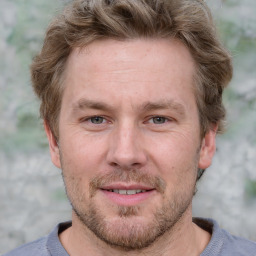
{"points": [[86, 103], [165, 104], [83, 104]]}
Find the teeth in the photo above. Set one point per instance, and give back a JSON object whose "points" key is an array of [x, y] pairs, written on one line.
{"points": [[121, 192], [131, 192], [127, 192]]}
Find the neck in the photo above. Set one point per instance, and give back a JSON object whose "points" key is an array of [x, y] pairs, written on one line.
{"points": [[185, 238]]}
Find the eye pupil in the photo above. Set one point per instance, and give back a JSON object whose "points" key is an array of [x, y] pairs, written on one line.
{"points": [[159, 120], [97, 120]]}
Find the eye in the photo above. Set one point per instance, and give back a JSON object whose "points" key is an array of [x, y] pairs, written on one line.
{"points": [[95, 123], [96, 119], [158, 120]]}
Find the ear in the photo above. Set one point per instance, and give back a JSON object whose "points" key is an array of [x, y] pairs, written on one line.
{"points": [[208, 148], [53, 146]]}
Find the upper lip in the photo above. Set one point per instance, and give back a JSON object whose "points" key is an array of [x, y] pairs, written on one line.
{"points": [[119, 186]]}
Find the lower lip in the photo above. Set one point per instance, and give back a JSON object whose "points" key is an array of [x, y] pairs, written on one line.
{"points": [[128, 200]]}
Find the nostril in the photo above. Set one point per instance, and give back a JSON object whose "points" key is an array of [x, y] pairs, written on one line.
{"points": [[135, 164], [113, 164], [125, 153]]}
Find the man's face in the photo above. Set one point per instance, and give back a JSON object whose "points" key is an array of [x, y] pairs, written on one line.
{"points": [[129, 139]]}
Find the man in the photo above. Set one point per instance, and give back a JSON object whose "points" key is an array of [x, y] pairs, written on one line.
{"points": [[131, 97]]}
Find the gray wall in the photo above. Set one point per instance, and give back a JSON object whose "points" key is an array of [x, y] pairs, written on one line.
{"points": [[32, 198]]}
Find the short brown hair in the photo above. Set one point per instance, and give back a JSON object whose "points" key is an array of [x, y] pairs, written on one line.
{"points": [[84, 21]]}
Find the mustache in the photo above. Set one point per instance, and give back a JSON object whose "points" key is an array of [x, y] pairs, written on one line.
{"points": [[128, 176]]}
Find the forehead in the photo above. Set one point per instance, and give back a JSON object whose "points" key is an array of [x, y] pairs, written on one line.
{"points": [[158, 53], [124, 70]]}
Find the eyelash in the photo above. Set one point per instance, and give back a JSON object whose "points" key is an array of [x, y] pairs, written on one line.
{"points": [[164, 119], [89, 119], [104, 120]]}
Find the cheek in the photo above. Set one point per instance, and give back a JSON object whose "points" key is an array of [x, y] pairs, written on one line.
{"points": [[79, 140], [174, 147], [81, 154], [176, 157]]}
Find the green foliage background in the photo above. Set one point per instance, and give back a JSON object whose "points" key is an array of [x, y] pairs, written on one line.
{"points": [[22, 28]]}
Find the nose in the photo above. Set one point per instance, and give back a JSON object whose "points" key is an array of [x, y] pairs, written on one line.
{"points": [[126, 149]]}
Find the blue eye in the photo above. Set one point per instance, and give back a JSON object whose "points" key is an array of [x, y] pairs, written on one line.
{"points": [[97, 120], [159, 120]]}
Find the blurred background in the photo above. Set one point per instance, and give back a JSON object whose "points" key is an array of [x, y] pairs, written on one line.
{"points": [[32, 197]]}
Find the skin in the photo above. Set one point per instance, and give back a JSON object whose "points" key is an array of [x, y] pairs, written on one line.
{"points": [[129, 120]]}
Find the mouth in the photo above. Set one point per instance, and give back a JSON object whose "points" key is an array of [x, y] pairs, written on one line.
{"points": [[128, 196], [127, 191]]}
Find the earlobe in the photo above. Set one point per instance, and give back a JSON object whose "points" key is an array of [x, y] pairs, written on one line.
{"points": [[53, 145], [208, 148]]}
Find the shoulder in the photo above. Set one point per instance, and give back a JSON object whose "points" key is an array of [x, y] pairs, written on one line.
{"points": [[238, 246], [223, 243], [37, 247], [46, 246]]}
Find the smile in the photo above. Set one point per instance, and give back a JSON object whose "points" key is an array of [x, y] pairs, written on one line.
{"points": [[127, 192], [128, 196]]}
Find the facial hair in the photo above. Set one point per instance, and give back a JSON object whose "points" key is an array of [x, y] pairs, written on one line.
{"points": [[124, 233]]}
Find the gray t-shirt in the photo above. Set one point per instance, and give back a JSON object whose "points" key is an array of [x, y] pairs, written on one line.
{"points": [[222, 243]]}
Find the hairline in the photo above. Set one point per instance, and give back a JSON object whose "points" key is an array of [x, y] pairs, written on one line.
{"points": [[195, 79]]}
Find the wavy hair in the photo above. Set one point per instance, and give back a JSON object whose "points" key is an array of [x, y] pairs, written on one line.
{"points": [[84, 21]]}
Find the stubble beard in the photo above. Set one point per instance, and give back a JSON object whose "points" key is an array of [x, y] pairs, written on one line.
{"points": [[124, 233]]}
